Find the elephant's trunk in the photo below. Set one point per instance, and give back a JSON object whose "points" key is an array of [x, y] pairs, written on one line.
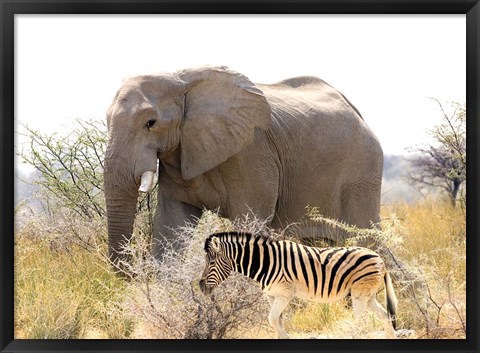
{"points": [[120, 216], [121, 194]]}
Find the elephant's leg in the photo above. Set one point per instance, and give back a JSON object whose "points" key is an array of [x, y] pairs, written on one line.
{"points": [[170, 214], [251, 191], [360, 204], [307, 228]]}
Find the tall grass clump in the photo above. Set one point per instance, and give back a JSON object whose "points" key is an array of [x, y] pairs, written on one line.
{"points": [[435, 246], [64, 287]]}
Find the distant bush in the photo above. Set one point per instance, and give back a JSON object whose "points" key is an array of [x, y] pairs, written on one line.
{"points": [[442, 165], [70, 169]]}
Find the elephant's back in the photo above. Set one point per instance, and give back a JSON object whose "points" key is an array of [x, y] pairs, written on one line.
{"points": [[315, 114], [311, 106], [306, 95], [301, 81]]}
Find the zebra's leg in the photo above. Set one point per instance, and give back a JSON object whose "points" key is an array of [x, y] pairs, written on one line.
{"points": [[279, 304], [271, 299], [382, 315], [359, 304]]}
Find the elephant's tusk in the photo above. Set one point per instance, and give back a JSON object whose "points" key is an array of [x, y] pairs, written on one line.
{"points": [[149, 179]]}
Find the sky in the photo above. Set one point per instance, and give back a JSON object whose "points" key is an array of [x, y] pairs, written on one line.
{"points": [[69, 67]]}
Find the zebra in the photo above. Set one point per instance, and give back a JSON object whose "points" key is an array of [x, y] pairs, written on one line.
{"points": [[285, 269]]}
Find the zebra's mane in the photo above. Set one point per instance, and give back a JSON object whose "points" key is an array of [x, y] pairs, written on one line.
{"points": [[237, 235]]}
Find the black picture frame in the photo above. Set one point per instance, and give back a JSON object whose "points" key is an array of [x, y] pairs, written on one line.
{"points": [[9, 8]]}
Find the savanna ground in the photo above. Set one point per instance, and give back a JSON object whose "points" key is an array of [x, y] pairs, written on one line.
{"points": [[65, 287]]}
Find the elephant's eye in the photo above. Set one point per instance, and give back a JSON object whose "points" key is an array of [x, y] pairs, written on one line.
{"points": [[150, 123]]}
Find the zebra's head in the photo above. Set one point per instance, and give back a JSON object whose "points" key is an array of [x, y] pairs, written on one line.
{"points": [[218, 265]]}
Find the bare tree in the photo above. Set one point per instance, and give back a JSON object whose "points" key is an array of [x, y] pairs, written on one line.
{"points": [[443, 164]]}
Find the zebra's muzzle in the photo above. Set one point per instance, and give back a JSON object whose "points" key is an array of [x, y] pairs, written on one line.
{"points": [[204, 288]]}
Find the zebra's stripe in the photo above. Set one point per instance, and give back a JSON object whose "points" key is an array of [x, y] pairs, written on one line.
{"points": [[276, 264], [333, 273], [313, 269], [322, 272], [286, 261], [255, 258], [302, 265], [359, 261], [271, 267], [264, 262], [324, 267], [292, 260], [246, 256], [365, 275]]}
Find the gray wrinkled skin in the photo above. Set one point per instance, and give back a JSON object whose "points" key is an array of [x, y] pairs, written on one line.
{"points": [[224, 142]]}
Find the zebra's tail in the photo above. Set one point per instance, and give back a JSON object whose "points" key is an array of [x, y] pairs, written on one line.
{"points": [[391, 299]]}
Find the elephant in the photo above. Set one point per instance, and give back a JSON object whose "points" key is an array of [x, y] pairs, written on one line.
{"points": [[221, 142]]}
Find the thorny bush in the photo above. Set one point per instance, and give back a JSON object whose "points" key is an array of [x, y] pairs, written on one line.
{"points": [[165, 293]]}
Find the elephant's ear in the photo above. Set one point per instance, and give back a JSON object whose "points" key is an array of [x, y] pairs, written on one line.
{"points": [[222, 110]]}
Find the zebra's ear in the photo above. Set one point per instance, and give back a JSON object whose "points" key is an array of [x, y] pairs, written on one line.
{"points": [[215, 244]]}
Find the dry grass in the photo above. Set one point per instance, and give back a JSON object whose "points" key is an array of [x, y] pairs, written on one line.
{"points": [[64, 287], [435, 246], [310, 318]]}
